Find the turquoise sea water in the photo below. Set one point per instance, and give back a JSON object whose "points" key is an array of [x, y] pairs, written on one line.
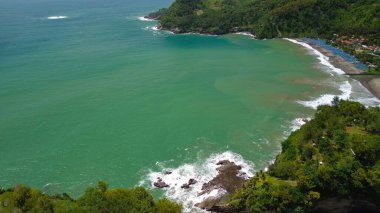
{"points": [[95, 93]]}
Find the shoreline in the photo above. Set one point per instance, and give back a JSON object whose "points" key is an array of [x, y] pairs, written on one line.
{"points": [[370, 82]]}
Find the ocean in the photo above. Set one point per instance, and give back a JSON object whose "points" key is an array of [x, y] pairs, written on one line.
{"points": [[90, 90]]}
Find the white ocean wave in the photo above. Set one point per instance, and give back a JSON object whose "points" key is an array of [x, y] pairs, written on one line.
{"points": [[203, 171], [142, 18], [324, 60], [56, 17], [154, 28], [298, 122], [326, 99], [201, 34], [362, 95], [246, 34], [368, 101]]}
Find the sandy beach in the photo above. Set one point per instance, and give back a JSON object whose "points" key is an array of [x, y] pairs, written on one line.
{"points": [[371, 82]]}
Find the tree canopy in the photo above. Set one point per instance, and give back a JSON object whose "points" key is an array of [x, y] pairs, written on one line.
{"points": [[336, 154], [275, 18], [95, 199]]}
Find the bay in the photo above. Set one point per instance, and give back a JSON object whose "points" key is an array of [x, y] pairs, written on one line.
{"points": [[90, 92]]}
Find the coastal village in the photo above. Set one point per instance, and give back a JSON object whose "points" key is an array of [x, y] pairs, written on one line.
{"points": [[362, 48]]}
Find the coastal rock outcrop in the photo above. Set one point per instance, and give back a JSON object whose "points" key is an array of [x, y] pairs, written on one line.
{"points": [[225, 183], [189, 183], [228, 178], [160, 183], [208, 191]]}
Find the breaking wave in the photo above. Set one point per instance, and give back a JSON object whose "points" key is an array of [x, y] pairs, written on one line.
{"points": [[203, 171], [246, 34], [361, 94], [326, 99], [324, 60], [56, 17], [142, 18]]}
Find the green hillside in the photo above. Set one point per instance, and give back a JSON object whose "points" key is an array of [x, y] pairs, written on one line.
{"points": [[335, 155], [275, 18], [97, 199]]}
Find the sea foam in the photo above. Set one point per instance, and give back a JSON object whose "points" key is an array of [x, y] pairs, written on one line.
{"points": [[346, 88], [157, 31], [324, 60], [154, 28], [200, 34], [246, 34], [297, 123], [326, 99], [203, 171], [142, 18], [56, 17]]}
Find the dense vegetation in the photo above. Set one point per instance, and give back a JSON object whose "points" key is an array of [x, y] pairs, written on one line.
{"points": [[96, 199], [337, 154], [275, 18], [326, 19]]}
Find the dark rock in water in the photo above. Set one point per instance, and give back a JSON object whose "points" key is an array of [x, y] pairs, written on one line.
{"points": [[243, 175], [160, 184], [192, 182], [168, 172], [185, 186], [189, 183], [223, 162], [227, 178], [228, 181]]}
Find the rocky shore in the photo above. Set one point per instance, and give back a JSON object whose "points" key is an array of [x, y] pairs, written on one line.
{"points": [[218, 191]]}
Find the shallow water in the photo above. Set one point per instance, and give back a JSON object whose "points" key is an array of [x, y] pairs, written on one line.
{"points": [[89, 91]]}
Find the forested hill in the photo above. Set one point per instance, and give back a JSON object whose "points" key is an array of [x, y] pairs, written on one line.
{"points": [[332, 164], [274, 18]]}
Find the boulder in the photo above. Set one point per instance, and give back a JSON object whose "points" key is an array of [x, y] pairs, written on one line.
{"points": [[223, 162], [189, 183], [168, 172], [228, 178], [185, 186], [192, 182], [160, 183]]}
